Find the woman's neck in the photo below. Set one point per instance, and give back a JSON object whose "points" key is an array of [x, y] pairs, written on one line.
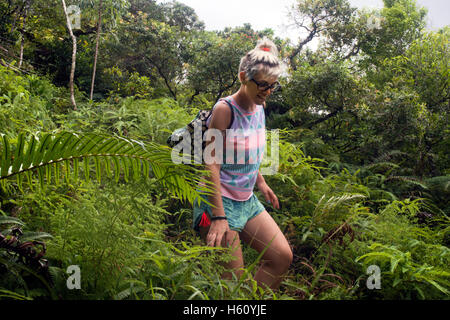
{"points": [[243, 101]]}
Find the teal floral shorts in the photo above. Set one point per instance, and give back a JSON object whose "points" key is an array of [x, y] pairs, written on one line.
{"points": [[237, 212]]}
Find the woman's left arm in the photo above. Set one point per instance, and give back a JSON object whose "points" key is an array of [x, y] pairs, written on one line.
{"points": [[269, 195]]}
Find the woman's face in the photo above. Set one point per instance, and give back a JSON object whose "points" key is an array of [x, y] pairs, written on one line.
{"points": [[257, 88]]}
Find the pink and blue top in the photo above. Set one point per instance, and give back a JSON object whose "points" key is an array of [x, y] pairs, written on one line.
{"points": [[243, 151]]}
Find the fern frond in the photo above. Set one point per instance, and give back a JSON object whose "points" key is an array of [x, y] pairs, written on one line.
{"points": [[440, 182], [12, 295], [381, 164], [335, 201], [411, 180], [387, 156], [45, 154], [30, 236], [10, 220]]}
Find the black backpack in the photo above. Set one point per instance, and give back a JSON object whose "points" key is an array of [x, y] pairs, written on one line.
{"points": [[200, 120]]}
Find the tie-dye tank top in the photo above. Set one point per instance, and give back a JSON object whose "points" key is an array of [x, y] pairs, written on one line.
{"points": [[243, 152]]}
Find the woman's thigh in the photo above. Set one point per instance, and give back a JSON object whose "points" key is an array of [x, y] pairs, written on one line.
{"points": [[262, 233]]}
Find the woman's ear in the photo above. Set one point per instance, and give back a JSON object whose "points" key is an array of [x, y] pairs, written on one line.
{"points": [[243, 77]]}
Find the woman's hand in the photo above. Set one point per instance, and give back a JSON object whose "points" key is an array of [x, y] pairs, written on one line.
{"points": [[217, 231], [268, 194]]}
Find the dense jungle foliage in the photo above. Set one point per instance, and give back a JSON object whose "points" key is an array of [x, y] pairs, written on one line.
{"points": [[86, 178]]}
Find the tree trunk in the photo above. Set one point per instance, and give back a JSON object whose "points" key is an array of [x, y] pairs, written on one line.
{"points": [[22, 42], [96, 48], [21, 51], [74, 56]]}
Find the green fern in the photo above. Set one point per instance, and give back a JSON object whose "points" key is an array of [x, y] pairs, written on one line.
{"points": [[439, 183], [411, 180], [404, 273], [10, 220], [60, 153], [384, 164], [388, 156], [6, 294]]}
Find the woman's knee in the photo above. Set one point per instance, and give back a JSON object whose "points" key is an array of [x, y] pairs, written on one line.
{"points": [[286, 256], [289, 256], [279, 258]]}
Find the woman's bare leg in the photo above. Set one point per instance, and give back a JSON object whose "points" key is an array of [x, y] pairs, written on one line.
{"points": [[260, 233]]}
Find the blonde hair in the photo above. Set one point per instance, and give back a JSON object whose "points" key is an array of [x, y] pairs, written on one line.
{"points": [[264, 57]]}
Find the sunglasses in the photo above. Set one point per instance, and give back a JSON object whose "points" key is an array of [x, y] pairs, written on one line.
{"points": [[263, 86]]}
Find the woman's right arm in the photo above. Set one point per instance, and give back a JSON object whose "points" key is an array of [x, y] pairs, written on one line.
{"points": [[220, 120]]}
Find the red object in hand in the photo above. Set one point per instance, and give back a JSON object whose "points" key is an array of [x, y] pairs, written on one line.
{"points": [[205, 221]]}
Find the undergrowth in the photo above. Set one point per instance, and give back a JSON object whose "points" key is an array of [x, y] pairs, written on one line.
{"points": [[133, 240]]}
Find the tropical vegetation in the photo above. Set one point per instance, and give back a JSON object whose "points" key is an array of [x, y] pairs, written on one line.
{"points": [[86, 178]]}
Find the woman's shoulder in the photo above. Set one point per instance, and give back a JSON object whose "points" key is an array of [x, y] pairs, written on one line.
{"points": [[221, 116]]}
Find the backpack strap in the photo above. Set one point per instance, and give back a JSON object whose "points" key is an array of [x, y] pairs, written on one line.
{"points": [[232, 111]]}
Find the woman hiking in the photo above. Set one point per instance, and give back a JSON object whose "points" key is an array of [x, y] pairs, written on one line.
{"points": [[237, 214]]}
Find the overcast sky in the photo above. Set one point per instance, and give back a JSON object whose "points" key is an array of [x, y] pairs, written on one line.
{"points": [[261, 14]]}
